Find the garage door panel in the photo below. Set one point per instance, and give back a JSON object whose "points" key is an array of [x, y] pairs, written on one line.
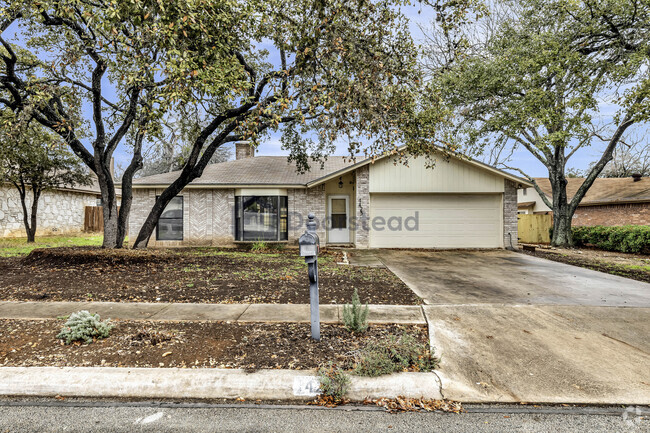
{"points": [[444, 221]]}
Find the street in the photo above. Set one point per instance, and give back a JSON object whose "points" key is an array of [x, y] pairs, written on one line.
{"points": [[106, 416]]}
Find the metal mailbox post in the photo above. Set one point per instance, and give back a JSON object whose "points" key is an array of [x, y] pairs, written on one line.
{"points": [[309, 248]]}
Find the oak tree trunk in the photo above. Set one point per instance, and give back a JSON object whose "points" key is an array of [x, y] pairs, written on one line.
{"points": [[562, 212]]}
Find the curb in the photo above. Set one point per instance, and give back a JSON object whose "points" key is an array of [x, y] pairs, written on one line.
{"points": [[206, 383]]}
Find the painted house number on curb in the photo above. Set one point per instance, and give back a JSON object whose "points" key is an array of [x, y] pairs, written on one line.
{"points": [[306, 386]]}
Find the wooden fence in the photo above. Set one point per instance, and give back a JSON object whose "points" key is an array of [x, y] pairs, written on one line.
{"points": [[534, 229], [93, 219]]}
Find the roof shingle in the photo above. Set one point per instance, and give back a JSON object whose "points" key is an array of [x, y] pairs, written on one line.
{"points": [[604, 190], [259, 170]]}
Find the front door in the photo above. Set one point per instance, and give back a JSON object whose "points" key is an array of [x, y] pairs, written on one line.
{"points": [[339, 228]]}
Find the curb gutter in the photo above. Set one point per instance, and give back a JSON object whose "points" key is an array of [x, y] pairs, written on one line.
{"points": [[205, 383]]}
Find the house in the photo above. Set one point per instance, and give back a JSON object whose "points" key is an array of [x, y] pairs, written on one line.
{"points": [[461, 203], [609, 201], [60, 210]]}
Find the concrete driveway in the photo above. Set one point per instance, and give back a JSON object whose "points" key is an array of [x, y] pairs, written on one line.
{"points": [[506, 277], [515, 328]]}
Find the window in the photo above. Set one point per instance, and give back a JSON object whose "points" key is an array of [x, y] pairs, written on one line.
{"points": [[170, 223], [525, 191], [261, 218]]}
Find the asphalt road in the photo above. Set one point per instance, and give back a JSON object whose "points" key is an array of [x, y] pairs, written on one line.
{"points": [[16, 416]]}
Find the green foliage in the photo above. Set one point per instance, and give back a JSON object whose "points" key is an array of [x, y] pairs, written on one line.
{"points": [[259, 246], [395, 354], [334, 381], [534, 79], [35, 160], [355, 316], [626, 239], [84, 326]]}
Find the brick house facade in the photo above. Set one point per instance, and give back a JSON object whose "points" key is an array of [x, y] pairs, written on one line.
{"points": [[354, 203], [609, 201], [613, 215]]}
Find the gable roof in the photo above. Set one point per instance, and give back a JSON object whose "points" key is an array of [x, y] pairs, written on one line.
{"points": [[604, 190], [276, 171]]}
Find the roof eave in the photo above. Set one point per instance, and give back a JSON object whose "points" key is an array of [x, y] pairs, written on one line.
{"points": [[222, 185]]}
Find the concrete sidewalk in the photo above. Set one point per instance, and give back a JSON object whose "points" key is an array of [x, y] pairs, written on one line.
{"points": [[329, 313]]}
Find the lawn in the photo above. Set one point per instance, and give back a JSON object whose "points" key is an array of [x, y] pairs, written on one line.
{"points": [[18, 247], [203, 275]]}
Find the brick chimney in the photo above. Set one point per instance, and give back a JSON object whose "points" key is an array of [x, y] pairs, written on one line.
{"points": [[243, 149], [636, 177]]}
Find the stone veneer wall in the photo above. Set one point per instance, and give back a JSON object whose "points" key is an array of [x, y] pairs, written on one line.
{"points": [[59, 212], [362, 232], [301, 202], [509, 213], [208, 216]]}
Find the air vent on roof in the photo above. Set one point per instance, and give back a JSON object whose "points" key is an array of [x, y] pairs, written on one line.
{"points": [[636, 177]]}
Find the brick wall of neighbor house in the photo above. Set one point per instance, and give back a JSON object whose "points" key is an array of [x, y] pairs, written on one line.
{"points": [[612, 215], [207, 216], [59, 212], [361, 234], [301, 202], [509, 213]]}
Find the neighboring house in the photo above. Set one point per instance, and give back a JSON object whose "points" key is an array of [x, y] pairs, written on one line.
{"points": [[60, 210], [458, 204], [609, 201]]}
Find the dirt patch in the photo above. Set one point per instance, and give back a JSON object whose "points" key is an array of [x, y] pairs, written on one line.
{"points": [[633, 266], [191, 345], [207, 275]]}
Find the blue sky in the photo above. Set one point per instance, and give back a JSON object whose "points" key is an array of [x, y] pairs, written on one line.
{"points": [[417, 16]]}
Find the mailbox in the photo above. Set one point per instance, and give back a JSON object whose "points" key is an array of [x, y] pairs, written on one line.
{"points": [[309, 248], [309, 244]]}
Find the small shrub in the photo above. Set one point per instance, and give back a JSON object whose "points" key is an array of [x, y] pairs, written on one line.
{"points": [[84, 326], [259, 246], [397, 353], [625, 239], [355, 316], [334, 381]]}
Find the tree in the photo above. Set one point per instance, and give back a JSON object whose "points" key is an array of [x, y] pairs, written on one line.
{"points": [[536, 80], [321, 71], [93, 51], [31, 158], [632, 157], [172, 149]]}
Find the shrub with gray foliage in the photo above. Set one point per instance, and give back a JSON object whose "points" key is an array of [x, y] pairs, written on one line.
{"points": [[84, 326], [355, 316]]}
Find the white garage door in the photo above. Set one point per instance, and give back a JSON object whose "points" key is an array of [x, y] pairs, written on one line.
{"points": [[443, 221]]}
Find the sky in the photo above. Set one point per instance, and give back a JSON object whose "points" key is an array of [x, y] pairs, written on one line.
{"points": [[417, 17]]}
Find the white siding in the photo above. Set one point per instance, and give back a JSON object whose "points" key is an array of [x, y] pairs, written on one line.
{"points": [[448, 175], [531, 195], [444, 220]]}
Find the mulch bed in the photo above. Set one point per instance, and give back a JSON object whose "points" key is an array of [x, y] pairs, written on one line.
{"points": [[190, 345], [590, 262], [204, 275]]}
